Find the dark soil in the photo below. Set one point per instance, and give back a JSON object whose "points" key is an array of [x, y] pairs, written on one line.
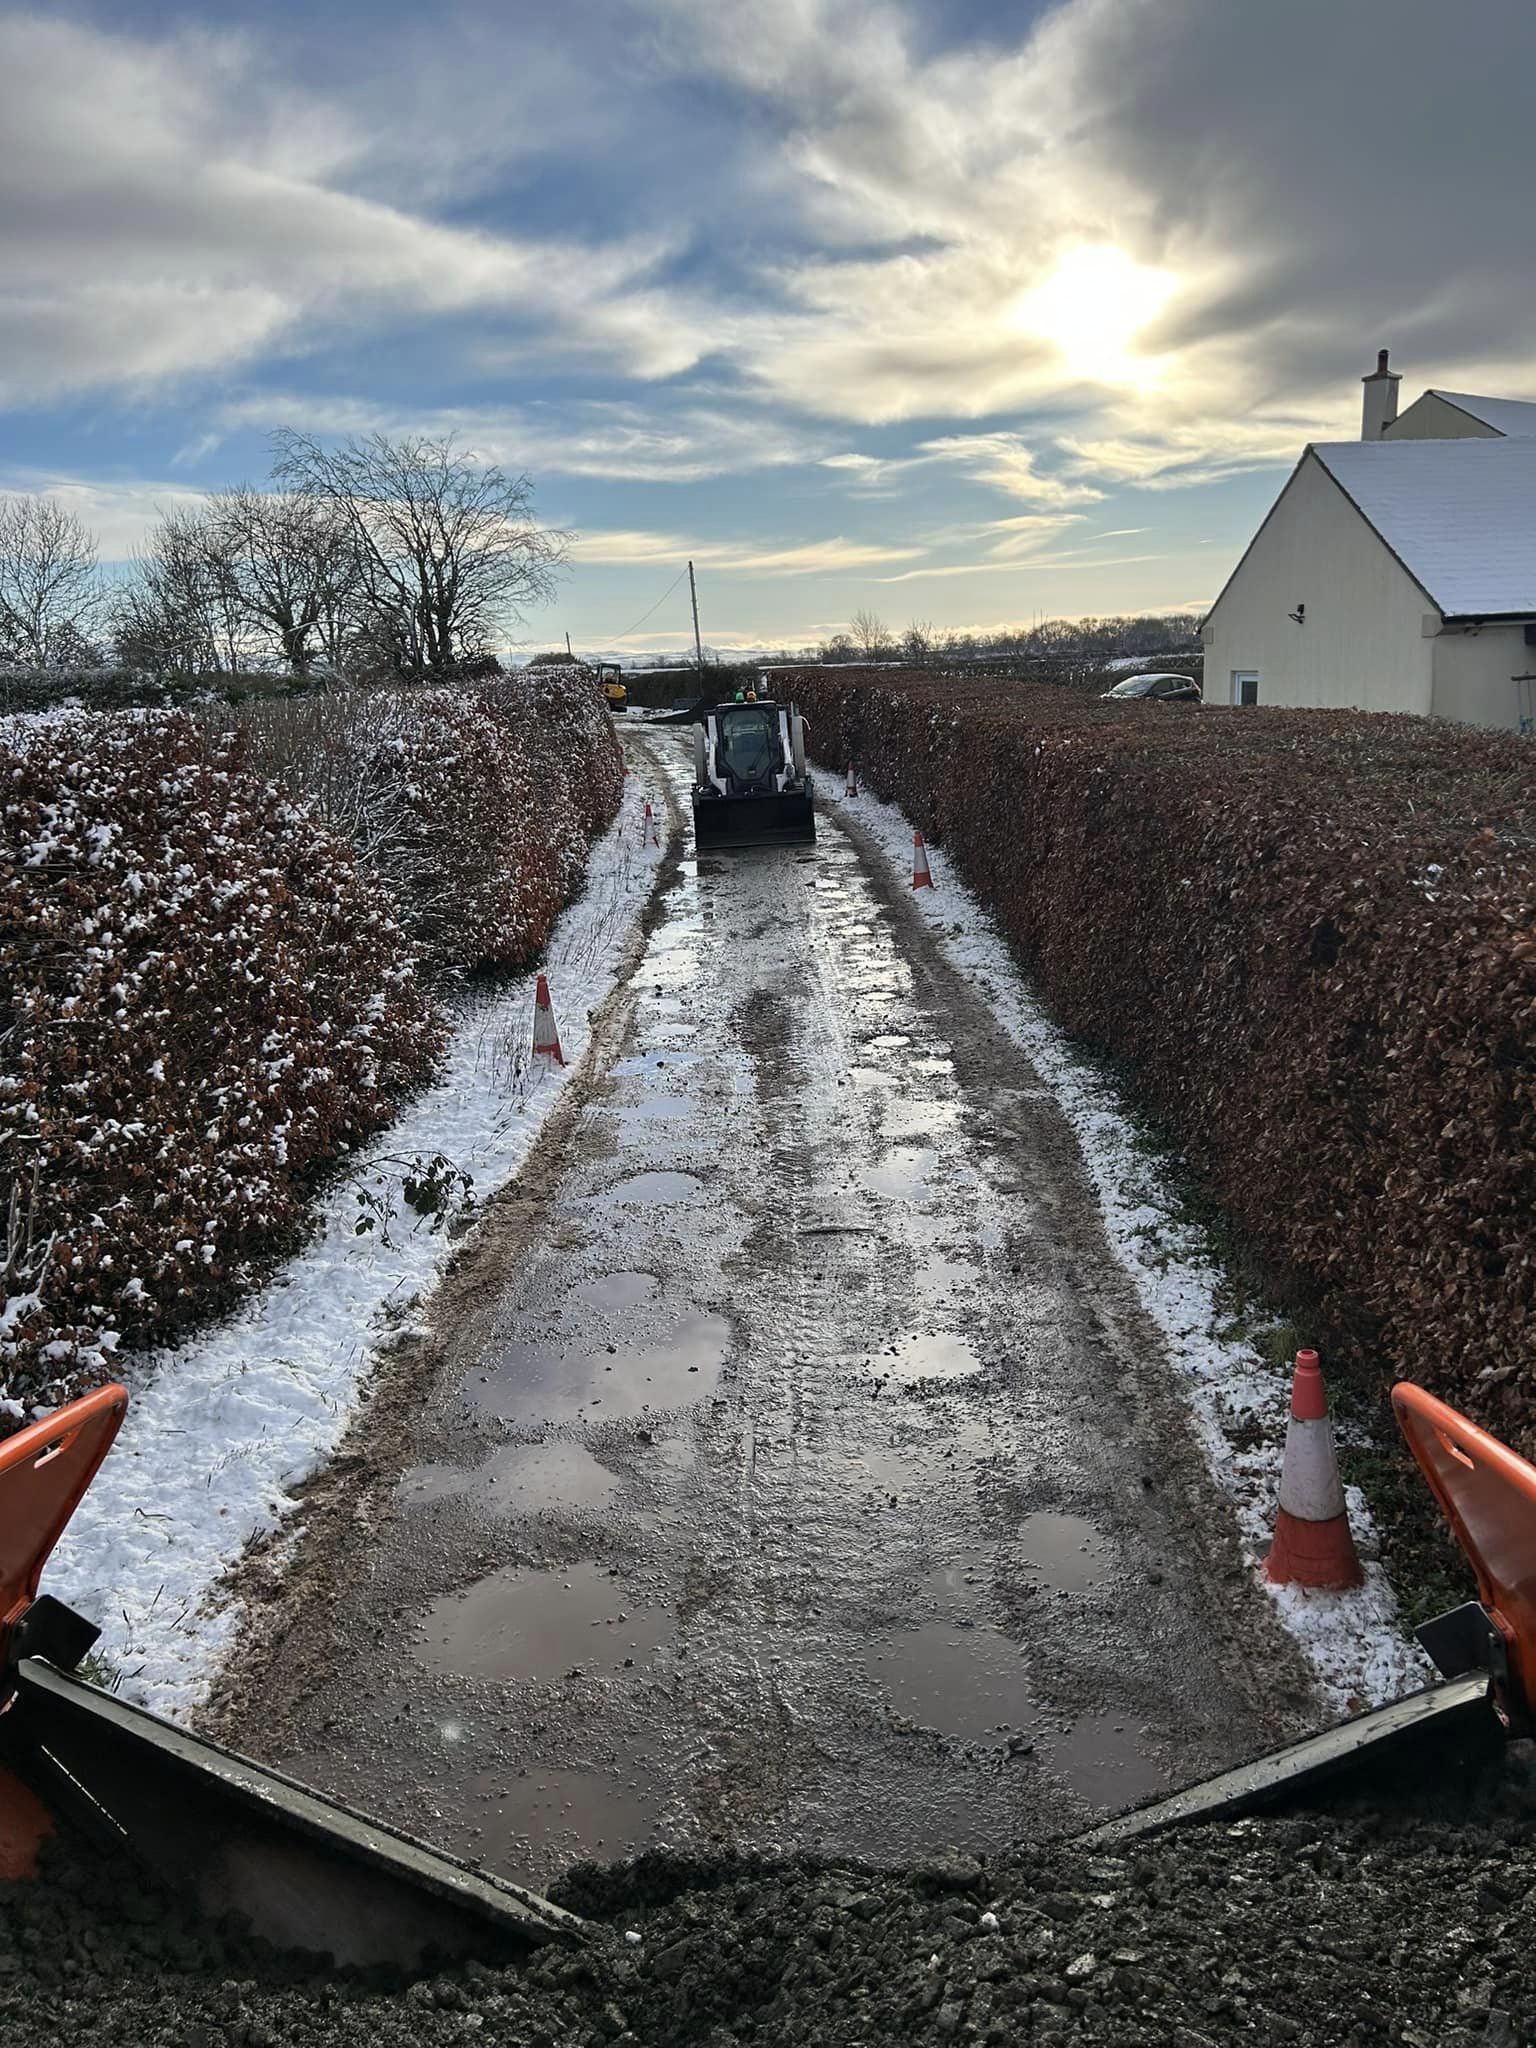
{"points": [[1319, 1930]]}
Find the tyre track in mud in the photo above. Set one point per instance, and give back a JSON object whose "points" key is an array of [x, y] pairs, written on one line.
{"points": [[806, 1476]]}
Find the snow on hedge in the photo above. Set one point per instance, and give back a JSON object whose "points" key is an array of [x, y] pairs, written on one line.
{"points": [[203, 1000]]}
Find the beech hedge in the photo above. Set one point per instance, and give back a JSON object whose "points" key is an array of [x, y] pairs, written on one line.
{"points": [[1312, 938], [202, 1001], [474, 805]]}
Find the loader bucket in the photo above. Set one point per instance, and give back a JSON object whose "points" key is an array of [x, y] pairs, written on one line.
{"points": [[721, 822]]}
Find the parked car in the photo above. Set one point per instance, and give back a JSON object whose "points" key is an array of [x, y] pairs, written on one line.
{"points": [[1164, 689]]}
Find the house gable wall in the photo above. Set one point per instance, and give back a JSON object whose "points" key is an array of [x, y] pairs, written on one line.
{"points": [[1363, 645], [1429, 418], [1474, 675]]}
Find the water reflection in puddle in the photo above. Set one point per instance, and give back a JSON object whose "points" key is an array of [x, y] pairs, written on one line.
{"points": [[540, 1625], [965, 1682], [1101, 1757], [649, 1187], [523, 1478], [908, 1118], [539, 1382], [928, 1355], [1066, 1549], [618, 1290], [903, 1175]]}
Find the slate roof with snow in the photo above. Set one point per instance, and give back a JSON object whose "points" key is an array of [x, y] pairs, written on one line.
{"points": [[1512, 416], [1459, 515]]}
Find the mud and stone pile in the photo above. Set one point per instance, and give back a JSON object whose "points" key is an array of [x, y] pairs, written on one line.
{"points": [[1316, 1931]]}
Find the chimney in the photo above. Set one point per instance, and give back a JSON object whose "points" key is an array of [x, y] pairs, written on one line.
{"points": [[1380, 400]]}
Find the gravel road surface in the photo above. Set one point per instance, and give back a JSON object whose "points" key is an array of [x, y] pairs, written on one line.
{"points": [[792, 1470]]}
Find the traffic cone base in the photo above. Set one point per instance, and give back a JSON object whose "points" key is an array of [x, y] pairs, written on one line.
{"points": [[546, 1033], [1313, 1553], [922, 874], [1313, 1545]]}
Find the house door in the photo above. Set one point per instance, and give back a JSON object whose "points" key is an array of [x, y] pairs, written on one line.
{"points": [[1245, 686]]}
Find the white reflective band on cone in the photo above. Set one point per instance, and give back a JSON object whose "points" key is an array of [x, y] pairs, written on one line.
{"points": [[1310, 1488]]}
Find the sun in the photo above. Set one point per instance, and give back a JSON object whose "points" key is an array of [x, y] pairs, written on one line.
{"points": [[1092, 306]]}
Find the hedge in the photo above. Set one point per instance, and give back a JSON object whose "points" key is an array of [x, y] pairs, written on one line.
{"points": [[473, 804], [1312, 937], [202, 1002]]}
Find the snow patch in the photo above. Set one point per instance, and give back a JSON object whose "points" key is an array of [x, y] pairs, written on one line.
{"points": [[1355, 1642]]}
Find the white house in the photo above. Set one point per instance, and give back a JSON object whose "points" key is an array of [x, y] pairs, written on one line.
{"points": [[1394, 573]]}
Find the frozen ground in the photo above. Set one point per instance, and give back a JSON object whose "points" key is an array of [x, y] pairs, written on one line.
{"points": [[222, 1429], [1357, 1647]]}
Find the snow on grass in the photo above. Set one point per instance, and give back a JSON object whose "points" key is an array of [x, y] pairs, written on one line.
{"points": [[221, 1429], [1238, 1401]]}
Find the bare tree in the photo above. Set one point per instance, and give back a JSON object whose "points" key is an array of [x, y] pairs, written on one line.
{"points": [[294, 568], [919, 640], [181, 610], [49, 595], [449, 553], [871, 635]]}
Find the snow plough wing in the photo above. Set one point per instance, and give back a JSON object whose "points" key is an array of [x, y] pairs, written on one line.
{"points": [[750, 782], [302, 1871], [1485, 1650]]}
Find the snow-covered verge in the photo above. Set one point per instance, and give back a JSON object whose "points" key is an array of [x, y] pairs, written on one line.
{"points": [[222, 1429], [1238, 1402]]}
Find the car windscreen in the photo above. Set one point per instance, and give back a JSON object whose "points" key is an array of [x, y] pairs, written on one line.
{"points": [[749, 743], [1138, 686]]}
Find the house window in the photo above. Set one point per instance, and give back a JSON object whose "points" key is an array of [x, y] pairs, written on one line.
{"points": [[1245, 686]]}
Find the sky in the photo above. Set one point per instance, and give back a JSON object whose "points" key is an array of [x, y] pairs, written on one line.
{"points": [[951, 310]]}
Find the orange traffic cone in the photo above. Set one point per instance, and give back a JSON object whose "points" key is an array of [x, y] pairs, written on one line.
{"points": [[922, 874], [852, 788], [651, 832], [1313, 1545], [546, 1033]]}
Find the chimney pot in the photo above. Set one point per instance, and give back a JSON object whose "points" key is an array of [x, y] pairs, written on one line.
{"points": [[1380, 408]]}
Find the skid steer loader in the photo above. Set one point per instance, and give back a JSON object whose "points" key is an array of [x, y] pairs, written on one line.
{"points": [[750, 782]]}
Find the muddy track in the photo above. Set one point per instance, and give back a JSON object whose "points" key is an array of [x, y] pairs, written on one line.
{"points": [[790, 1467]]}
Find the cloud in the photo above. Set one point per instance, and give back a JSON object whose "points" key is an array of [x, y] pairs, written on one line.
{"points": [[119, 514], [167, 208], [586, 438], [808, 558]]}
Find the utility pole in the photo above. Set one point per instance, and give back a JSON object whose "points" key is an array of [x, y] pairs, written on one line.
{"points": [[693, 592], [568, 645]]}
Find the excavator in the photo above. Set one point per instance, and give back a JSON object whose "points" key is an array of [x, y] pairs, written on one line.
{"points": [[307, 1873]]}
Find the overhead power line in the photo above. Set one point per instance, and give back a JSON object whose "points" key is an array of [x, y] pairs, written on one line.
{"points": [[656, 607]]}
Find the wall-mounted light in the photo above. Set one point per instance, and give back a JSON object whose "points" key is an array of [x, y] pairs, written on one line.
{"points": [[1299, 615]]}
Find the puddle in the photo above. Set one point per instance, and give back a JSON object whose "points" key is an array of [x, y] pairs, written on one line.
{"points": [[962, 1681], [908, 1119], [648, 1062], [660, 1188], [522, 1625], [927, 1355], [657, 1109], [563, 1814], [1101, 1757], [523, 1478], [932, 1063], [618, 1290], [889, 1041], [904, 1173], [867, 1078], [544, 1383], [1068, 1550], [943, 1276]]}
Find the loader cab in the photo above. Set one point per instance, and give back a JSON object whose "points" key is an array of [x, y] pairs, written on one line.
{"points": [[751, 784], [749, 749]]}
